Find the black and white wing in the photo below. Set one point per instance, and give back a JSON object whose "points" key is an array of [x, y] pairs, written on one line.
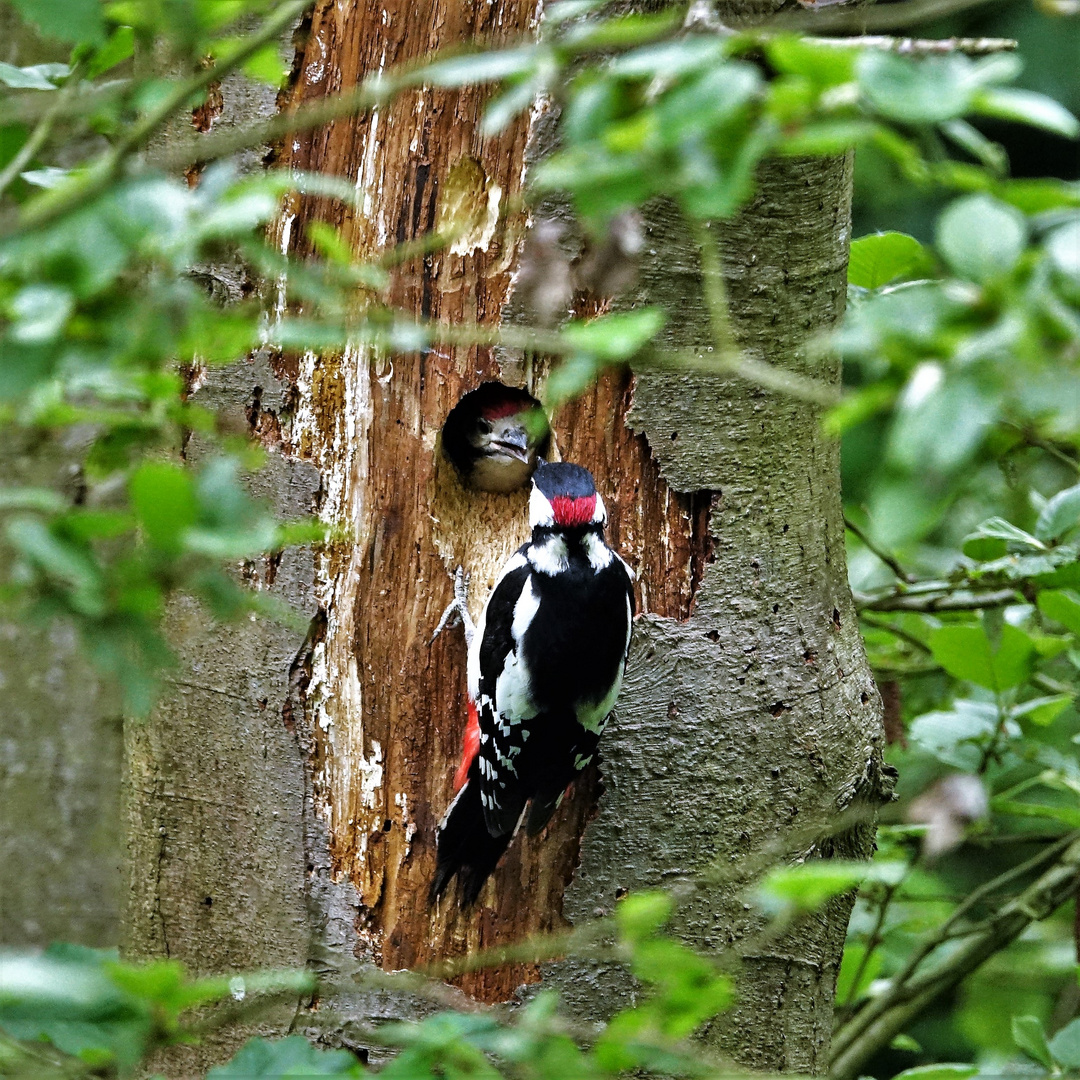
{"points": [[500, 685]]}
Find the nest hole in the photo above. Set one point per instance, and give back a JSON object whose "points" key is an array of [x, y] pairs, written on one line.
{"points": [[494, 436]]}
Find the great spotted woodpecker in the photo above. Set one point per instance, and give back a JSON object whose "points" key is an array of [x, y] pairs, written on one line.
{"points": [[494, 436], [545, 666]]}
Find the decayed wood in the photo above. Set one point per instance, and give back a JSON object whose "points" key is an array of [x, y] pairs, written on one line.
{"points": [[386, 706]]}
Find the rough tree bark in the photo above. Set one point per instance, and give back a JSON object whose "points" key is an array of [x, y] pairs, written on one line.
{"points": [[282, 801]]}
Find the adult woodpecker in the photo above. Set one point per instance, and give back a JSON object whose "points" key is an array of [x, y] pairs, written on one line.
{"points": [[545, 666], [494, 436]]}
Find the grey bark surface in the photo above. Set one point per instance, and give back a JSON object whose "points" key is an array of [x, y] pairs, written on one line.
{"points": [[60, 726], [746, 733]]}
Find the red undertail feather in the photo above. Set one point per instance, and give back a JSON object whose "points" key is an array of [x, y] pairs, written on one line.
{"points": [[472, 746], [570, 512]]}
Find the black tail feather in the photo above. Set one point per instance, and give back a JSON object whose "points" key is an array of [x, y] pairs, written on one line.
{"points": [[465, 847]]}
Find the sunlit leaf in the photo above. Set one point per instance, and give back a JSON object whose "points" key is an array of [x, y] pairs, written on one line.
{"points": [[1060, 515], [883, 257], [981, 238], [69, 20], [1028, 1034], [912, 91], [1065, 1045], [1027, 107]]}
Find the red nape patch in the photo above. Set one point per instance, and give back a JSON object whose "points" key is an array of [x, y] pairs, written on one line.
{"points": [[503, 408], [472, 747], [570, 512]]}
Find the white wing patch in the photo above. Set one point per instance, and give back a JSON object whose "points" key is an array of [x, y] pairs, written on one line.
{"points": [[524, 610], [515, 562]]}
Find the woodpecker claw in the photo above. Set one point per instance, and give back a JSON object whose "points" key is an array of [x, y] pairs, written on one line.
{"points": [[458, 609]]}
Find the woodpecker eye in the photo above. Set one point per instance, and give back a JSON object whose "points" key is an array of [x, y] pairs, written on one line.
{"points": [[483, 425]]}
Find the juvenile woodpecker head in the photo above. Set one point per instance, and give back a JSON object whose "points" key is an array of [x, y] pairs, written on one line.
{"points": [[494, 436], [565, 497]]}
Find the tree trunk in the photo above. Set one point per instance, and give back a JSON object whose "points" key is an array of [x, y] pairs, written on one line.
{"points": [[282, 801]]}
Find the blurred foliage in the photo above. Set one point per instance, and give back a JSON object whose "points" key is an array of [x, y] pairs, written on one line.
{"points": [[960, 423], [74, 1012]]}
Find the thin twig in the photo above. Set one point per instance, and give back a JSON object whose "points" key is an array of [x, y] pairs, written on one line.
{"points": [[714, 288], [873, 18], [889, 560], [936, 596], [41, 132], [907, 46]]}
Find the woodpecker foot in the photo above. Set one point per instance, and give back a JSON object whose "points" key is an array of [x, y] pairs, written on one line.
{"points": [[458, 609]]}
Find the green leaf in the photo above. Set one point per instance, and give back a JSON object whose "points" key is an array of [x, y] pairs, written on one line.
{"points": [[1065, 1045], [965, 653], [266, 66], [823, 64], [953, 737], [1061, 607], [981, 238], [1014, 660], [885, 256], [1063, 247], [914, 92], [1029, 1036], [995, 538], [615, 337], [1043, 711], [671, 58], [641, 914], [26, 78], [946, 1071], [68, 20], [810, 884], [119, 47], [477, 67], [285, 1058], [905, 1042], [1067, 815], [1060, 515], [1027, 107], [163, 499]]}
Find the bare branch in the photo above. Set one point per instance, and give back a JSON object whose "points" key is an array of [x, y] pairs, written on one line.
{"points": [[936, 596], [873, 18]]}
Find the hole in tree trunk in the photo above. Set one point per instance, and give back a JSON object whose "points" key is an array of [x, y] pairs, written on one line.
{"points": [[494, 437]]}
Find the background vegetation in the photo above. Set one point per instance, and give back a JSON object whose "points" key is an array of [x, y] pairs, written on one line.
{"points": [[960, 423]]}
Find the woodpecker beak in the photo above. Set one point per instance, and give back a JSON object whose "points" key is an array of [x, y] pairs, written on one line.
{"points": [[513, 442]]}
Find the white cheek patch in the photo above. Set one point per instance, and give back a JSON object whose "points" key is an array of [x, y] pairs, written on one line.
{"points": [[597, 552], [600, 513], [550, 557], [541, 512]]}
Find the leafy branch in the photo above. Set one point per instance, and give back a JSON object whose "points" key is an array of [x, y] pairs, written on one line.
{"points": [[909, 993], [106, 169]]}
